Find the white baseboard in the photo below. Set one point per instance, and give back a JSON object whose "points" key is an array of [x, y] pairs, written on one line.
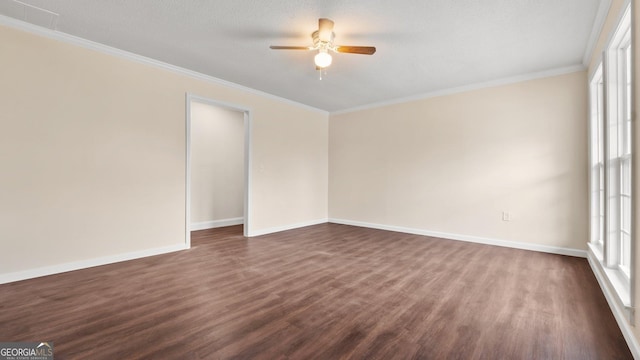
{"points": [[618, 310], [468, 238], [286, 227], [216, 223], [83, 264]]}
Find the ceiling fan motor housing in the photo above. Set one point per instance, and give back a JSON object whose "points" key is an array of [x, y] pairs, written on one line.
{"points": [[320, 44]]}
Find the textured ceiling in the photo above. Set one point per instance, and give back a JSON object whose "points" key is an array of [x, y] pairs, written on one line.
{"points": [[422, 45]]}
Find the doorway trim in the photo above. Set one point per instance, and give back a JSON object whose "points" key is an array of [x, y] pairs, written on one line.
{"points": [[247, 159]]}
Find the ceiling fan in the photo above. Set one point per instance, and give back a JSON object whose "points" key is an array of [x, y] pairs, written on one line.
{"points": [[323, 42]]}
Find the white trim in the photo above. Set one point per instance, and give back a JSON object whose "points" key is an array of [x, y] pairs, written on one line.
{"points": [[247, 159], [635, 164], [613, 279], [470, 87], [620, 313], [84, 264], [596, 115], [248, 130], [467, 238], [216, 223], [617, 281], [596, 250], [87, 44], [108, 50], [595, 69], [286, 227], [187, 171], [623, 10], [596, 30]]}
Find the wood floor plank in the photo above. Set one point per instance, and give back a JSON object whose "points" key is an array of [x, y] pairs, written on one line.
{"points": [[321, 292]]}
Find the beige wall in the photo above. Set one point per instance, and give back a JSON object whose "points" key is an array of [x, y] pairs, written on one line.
{"points": [[454, 163], [217, 163], [290, 157], [92, 150]]}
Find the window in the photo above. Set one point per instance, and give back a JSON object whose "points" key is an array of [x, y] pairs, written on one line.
{"points": [[596, 142], [625, 156], [610, 160]]}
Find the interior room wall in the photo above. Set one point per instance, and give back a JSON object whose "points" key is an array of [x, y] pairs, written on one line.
{"points": [[92, 150], [453, 164], [217, 166]]}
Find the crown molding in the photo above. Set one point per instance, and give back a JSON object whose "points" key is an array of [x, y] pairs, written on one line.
{"points": [[470, 87], [596, 30], [601, 15], [108, 50]]}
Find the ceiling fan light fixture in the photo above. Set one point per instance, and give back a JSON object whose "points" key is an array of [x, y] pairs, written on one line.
{"points": [[323, 42], [322, 59]]}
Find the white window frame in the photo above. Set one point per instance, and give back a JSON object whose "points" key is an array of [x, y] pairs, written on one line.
{"points": [[596, 161], [610, 134], [624, 136]]}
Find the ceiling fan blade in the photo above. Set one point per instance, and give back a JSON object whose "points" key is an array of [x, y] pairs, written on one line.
{"points": [[325, 29], [275, 47], [364, 50]]}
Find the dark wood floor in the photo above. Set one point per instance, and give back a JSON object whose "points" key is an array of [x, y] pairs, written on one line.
{"points": [[322, 292]]}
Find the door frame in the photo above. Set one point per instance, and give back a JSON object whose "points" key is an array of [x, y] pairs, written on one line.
{"points": [[247, 159]]}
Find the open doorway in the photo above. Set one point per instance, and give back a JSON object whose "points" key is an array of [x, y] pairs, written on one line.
{"points": [[217, 165]]}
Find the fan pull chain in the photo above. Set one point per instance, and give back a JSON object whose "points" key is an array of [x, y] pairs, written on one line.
{"points": [[321, 71]]}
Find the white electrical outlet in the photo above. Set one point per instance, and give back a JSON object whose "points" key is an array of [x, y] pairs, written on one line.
{"points": [[506, 216]]}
